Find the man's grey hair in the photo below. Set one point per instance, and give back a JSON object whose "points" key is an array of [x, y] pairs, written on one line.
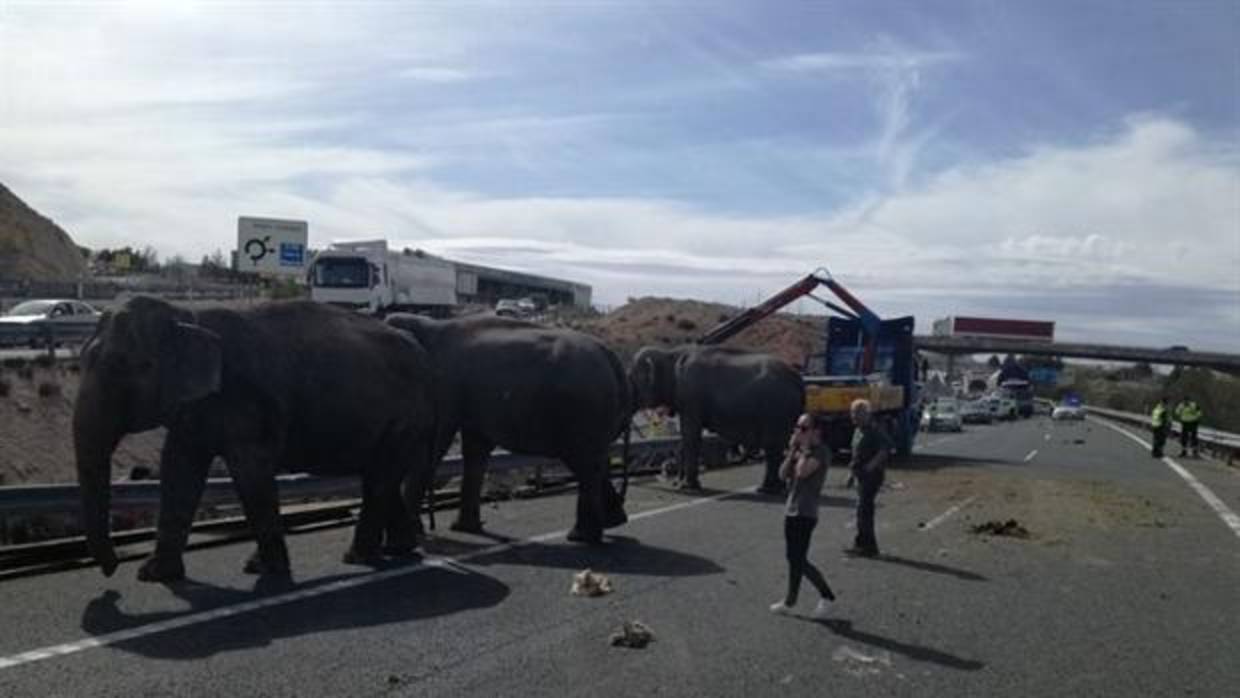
{"points": [[860, 404]]}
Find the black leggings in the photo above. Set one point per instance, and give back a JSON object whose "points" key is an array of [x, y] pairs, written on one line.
{"points": [[797, 532]]}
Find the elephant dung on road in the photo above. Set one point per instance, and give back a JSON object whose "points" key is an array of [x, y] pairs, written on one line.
{"points": [[747, 398], [533, 390], [294, 386]]}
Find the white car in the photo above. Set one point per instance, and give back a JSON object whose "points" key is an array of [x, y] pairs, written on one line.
{"points": [[1066, 411], [67, 313], [976, 412], [942, 414]]}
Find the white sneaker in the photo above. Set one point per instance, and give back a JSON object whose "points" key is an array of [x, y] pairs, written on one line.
{"points": [[781, 608], [822, 609]]}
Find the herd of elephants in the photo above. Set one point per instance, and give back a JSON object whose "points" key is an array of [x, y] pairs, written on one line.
{"points": [[302, 386]]}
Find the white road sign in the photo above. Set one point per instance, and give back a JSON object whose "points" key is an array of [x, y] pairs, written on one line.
{"points": [[272, 246]]}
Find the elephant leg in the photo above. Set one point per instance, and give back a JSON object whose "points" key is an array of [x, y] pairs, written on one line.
{"points": [[404, 514], [183, 467], [474, 452], [613, 506], [380, 486], [591, 475], [253, 475], [771, 484], [690, 455]]}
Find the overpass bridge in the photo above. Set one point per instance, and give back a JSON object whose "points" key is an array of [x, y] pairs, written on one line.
{"points": [[954, 346], [1125, 585]]}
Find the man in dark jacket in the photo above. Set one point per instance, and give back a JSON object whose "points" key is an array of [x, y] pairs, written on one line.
{"points": [[871, 447]]}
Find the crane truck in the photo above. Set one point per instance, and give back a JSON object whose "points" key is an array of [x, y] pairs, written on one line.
{"points": [[866, 358]]}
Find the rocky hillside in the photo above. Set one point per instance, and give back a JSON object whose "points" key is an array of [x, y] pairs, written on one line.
{"points": [[32, 247]]}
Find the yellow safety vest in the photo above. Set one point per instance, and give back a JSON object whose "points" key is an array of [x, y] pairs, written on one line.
{"points": [[1188, 413], [1159, 417]]}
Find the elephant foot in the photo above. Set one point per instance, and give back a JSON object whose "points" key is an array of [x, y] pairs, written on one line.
{"points": [[590, 536], [615, 517], [366, 558], [771, 488], [689, 486], [273, 564], [400, 550], [162, 568], [467, 526]]}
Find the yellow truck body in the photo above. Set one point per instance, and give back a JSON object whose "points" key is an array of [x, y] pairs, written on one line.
{"points": [[836, 399]]}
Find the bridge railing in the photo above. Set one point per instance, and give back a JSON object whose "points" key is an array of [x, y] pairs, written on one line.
{"points": [[1224, 445]]}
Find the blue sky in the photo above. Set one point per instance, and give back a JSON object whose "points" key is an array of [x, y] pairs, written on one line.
{"points": [[1057, 160]]}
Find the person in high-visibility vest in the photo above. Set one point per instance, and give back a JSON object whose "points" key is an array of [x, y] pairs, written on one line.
{"points": [[1188, 414], [1160, 422]]}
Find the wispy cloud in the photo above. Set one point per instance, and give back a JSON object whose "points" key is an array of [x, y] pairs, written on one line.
{"points": [[828, 62]]}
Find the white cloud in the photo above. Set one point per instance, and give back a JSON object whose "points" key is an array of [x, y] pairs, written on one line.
{"points": [[884, 58]]}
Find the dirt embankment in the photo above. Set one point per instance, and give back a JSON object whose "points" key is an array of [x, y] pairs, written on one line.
{"points": [[36, 402], [669, 322]]}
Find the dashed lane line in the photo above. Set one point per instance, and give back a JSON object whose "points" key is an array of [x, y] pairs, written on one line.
{"points": [[1032, 454], [948, 514], [192, 619], [1224, 512]]}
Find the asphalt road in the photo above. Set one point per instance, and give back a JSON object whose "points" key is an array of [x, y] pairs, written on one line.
{"points": [[1129, 584]]}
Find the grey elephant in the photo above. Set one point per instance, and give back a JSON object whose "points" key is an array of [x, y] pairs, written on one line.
{"points": [[750, 399], [289, 386], [533, 390]]}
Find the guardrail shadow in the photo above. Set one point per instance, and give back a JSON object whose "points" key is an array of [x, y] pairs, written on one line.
{"points": [[431, 592], [845, 629], [929, 567], [621, 555]]}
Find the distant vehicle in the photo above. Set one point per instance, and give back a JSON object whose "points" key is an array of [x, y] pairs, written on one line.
{"points": [[1069, 408], [995, 328], [509, 307], [976, 412], [1178, 347], [1001, 407], [365, 275], [943, 414], [58, 313]]}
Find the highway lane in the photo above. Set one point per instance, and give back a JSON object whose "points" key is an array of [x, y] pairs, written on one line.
{"points": [[1126, 587]]}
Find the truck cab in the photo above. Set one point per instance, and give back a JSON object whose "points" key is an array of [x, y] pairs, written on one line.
{"points": [[352, 278]]}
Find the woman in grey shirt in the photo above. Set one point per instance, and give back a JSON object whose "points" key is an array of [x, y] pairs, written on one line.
{"points": [[804, 470]]}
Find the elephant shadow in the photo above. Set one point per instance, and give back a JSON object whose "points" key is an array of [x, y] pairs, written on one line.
{"points": [[432, 592], [621, 555]]}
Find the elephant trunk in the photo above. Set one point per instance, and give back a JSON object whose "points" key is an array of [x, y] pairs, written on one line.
{"points": [[97, 429]]}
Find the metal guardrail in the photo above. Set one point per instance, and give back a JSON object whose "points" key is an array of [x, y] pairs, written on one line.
{"points": [[44, 335], [61, 499], [1224, 445]]}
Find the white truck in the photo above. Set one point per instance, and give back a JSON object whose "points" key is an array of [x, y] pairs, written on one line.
{"points": [[366, 275]]}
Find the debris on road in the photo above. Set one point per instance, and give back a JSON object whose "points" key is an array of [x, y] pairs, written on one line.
{"points": [[1010, 529], [590, 583], [633, 634]]}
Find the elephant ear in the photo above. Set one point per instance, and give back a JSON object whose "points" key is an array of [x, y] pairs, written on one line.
{"points": [[192, 365]]}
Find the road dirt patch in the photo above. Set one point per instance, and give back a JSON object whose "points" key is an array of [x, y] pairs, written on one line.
{"points": [[1009, 529]]}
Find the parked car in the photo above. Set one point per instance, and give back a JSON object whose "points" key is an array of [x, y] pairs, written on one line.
{"points": [[975, 412], [942, 414], [58, 313]]}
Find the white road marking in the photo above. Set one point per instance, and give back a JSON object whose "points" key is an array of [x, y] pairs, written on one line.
{"points": [[947, 514], [1228, 516], [451, 563], [1031, 455]]}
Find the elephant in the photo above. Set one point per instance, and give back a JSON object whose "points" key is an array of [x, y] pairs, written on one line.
{"points": [[296, 386], [750, 399], [533, 390]]}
